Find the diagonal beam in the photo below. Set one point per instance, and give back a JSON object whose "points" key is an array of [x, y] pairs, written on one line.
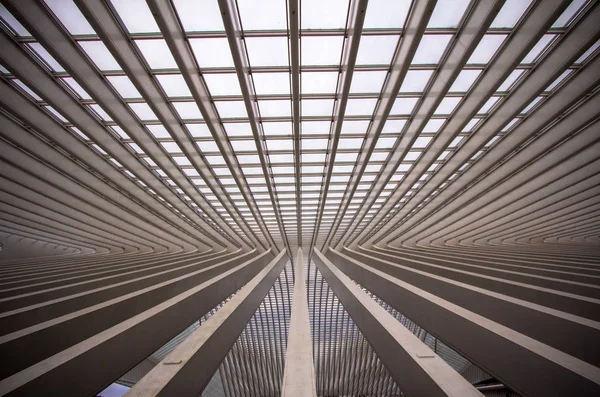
{"points": [[189, 368], [231, 21], [299, 375]]}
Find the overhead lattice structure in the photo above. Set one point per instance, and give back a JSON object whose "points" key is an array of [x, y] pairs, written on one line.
{"points": [[300, 197]]}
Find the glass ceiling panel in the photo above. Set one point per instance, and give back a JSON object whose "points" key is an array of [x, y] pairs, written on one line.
{"points": [[486, 48], [316, 107], [315, 127], [321, 50], [319, 82], [213, 52], [403, 106], [464, 80], [431, 48], [510, 80], [174, 85], [70, 16], [447, 105], [510, 13], [102, 113], [223, 84], [278, 108], [158, 130], [355, 126], [100, 55], [199, 130], [76, 87], [187, 110], [271, 83], [143, 111], [26, 89], [46, 57], [136, 16], [12, 22], [367, 82], [376, 50], [386, 13], [231, 109], [537, 50], [277, 128], [568, 14], [416, 80], [318, 14], [124, 86], [157, 53], [267, 51], [263, 14], [360, 107], [199, 15], [447, 13]]}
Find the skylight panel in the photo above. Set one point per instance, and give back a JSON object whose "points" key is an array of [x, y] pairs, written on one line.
{"points": [[238, 129], [187, 110], [421, 142], [510, 13], [244, 146], [57, 114], [350, 143], [360, 107], [416, 80], [12, 22], [431, 48], [215, 160], [267, 51], [199, 15], [136, 16], [70, 16], [559, 80], [412, 156], [271, 83], [157, 53], [589, 52], [532, 104], [262, 15], [212, 52], [313, 157], [182, 160], [447, 13], [354, 127], [100, 112], [470, 125], [275, 108], [404, 167], [208, 146], [433, 125], [232, 109], [276, 128], [4, 70], [464, 80], [488, 105], [487, 47], [566, 17], [100, 55], [171, 147], [319, 82], [315, 127], [74, 85], [223, 84], [385, 143], [447, 105], [510, 80], [174, 85], [316, 107], [315, 144], [124, 86], [376, 50], [403, 106], [538, 49], [137, 149], [367, 81], [44, 55], [158, 131], [455, 142], [143, 111], [321, 50], [280, 144], [199, 130], [318, 14], [393, 126], [281, 158], [27, 89], [344, 157], [386, 13], [120, 132]]}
